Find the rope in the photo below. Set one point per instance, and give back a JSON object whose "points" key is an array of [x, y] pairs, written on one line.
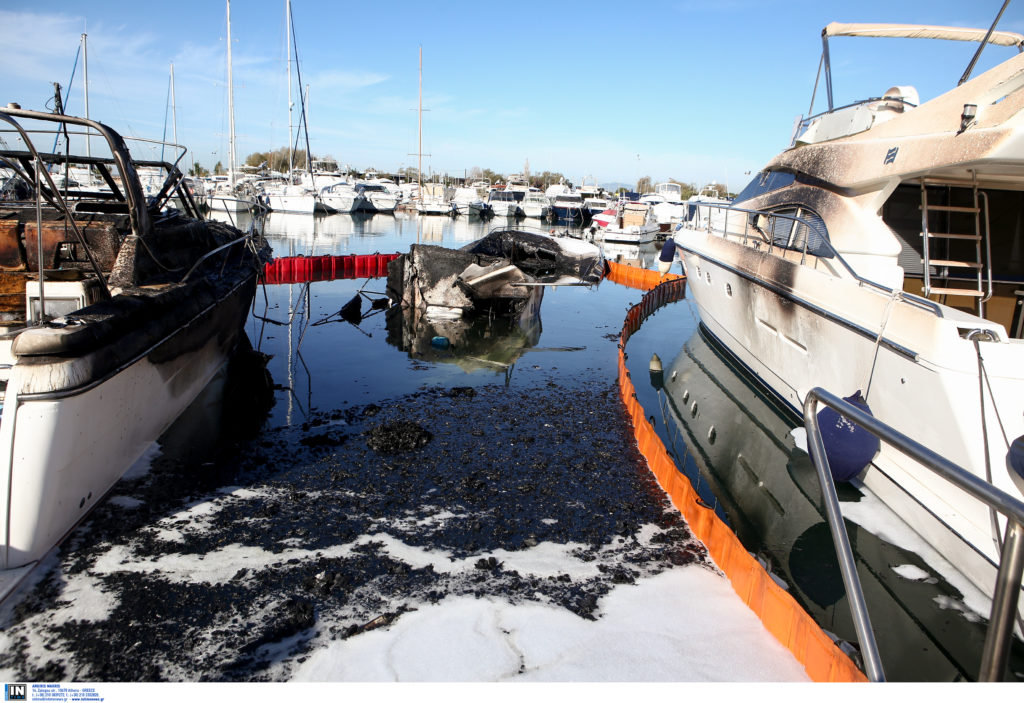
{"points": [[895, 297], [983, 381]]}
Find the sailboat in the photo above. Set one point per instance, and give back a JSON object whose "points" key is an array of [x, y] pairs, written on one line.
{"points": [[226, 195], [291, 196]]}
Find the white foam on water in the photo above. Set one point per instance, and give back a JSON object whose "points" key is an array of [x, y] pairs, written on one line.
{"points": [[683, 625]]}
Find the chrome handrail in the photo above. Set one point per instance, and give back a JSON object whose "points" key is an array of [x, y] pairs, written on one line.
{"points": [[1011, 561], [915, 300]]}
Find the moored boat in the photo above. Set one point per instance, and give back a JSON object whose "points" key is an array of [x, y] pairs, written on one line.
{"points": [[115, 315], [633, 223], [874, 256]]}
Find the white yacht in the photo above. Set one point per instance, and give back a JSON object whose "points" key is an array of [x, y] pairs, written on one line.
{"points": [[340, 196], [880, 254], [671, 209], [374, 197], [467, 201], [536, 205], [290, 197], [503, 202]]}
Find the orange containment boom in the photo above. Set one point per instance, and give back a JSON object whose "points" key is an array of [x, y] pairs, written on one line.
{"points": [[633, 277], [780, 613], [303, 269]]}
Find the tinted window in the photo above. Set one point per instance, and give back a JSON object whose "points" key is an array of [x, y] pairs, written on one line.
{"points": [[765, 182]]}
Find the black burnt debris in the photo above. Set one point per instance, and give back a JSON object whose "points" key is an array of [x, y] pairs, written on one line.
{"points": [[236, 569]]}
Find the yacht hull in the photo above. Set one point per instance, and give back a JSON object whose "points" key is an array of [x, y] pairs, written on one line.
{"points": [[795, 328], [63, 451]]}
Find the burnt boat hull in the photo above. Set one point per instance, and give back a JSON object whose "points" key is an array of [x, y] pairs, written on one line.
{"points": [[63, 450]]}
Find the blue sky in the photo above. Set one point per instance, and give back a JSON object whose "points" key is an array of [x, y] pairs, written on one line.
{"points": [[695, 91]]}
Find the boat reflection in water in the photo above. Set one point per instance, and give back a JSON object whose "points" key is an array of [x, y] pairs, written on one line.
{"points": [[477, 342], [739, 449]]}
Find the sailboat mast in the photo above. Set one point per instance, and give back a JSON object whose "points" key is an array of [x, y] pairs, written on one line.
{"points": [[85, 88], [419, 163], [174, 109], [231, 108], [288, 32]]}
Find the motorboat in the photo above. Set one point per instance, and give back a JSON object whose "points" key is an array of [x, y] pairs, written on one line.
{"points": [[435, 199], [594, 199], [568, 206], [374, 197], [878, 255], [466, 201], [289, 197], [115, 313], [536, 205], [634, 223], [504, 203], [339, 196], [670, 210]]}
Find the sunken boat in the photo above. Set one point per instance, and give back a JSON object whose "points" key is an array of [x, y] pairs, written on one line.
{"points": [[115, 312], [501, 273]]}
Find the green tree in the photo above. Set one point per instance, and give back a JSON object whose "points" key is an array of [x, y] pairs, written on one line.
{"points": [[219, 169], [687, 189], [198, 170], [643, 185], [545, 179]]}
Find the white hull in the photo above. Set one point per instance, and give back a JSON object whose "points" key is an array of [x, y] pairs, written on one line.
{"points": [[796, 328], [338, 203], [504, 209], [474, 209], [229, 204], [427, 207], [304, 204], [377, 202], [63, 454], [629, 235], [536, 211]]}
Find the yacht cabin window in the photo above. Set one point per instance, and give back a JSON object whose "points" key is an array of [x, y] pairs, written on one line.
{"points": [[765, 182]]}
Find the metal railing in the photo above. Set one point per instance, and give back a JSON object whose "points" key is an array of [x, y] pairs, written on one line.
{"points": [[1011, 562], [804, 122], [751, 230]]}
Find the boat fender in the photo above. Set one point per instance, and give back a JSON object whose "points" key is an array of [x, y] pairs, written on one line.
{"points": [[848, 446], [668, 253], [440, 342], [1015, 462], [657, 373], [668, 250]]}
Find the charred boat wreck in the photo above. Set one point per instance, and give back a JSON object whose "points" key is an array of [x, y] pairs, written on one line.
{"points": [[114, 315], [501, 273]]}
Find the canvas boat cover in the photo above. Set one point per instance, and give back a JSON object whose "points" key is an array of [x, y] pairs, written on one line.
{"points": [[921, 31]]}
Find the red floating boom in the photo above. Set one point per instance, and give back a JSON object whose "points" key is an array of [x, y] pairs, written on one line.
{"points": [[303, 269]]}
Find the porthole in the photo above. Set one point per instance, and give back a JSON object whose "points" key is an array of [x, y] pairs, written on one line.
{"points": [[707, 277], [712, 435], [728, 289], [686, 397], [693, 409]]}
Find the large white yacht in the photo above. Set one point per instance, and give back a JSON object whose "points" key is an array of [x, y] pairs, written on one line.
{"points": [[881, 253]]}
